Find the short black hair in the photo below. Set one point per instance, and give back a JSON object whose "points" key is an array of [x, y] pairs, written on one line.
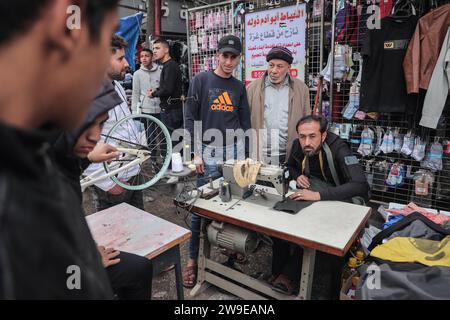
{"points": [[147, 50], [18, 16], [163, 41], [117, 43], [314, 118]]}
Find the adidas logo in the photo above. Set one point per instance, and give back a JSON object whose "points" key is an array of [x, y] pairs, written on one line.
{"points": [[223, 103]]}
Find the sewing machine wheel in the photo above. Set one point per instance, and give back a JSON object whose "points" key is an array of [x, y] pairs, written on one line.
{"points": [[149, 144]]}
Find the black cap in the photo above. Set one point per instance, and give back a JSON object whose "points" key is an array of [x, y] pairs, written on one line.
{"points": [[230, 44], [281, 53]]}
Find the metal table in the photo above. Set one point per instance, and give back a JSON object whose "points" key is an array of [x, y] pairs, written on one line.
{"points": [[328, 226]]}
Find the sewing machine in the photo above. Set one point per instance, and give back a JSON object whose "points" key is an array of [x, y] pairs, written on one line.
{"points": [[279, 177]]}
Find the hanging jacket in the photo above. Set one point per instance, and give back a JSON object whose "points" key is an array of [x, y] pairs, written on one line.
{"points": [[424, 47], [439, 87]]}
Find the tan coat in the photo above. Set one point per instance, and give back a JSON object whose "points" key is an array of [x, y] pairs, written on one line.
{"points": [[299, 107]]}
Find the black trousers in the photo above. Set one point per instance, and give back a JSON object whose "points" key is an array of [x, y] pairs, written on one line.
{"points": [[106, 200], [286, 259], [131, 278]]}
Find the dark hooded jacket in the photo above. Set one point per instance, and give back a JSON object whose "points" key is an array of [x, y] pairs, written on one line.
{"points": [[349, 170], [69, 164], [46, 248]]}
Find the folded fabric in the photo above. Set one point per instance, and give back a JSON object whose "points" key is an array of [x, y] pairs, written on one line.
{"points": [[424, 251], [417, 229], [392, 220], [403, 281], [292, 206], [412, 207]]}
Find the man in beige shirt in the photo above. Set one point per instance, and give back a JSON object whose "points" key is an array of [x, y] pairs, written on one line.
{"points": [[277, 101]]}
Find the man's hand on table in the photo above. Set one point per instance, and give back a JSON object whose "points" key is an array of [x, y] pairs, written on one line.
{"points": [[108, 256], [305, 194]]}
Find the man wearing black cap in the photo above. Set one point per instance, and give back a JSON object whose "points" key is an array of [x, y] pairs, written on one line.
{"points": [[277, 101], [220, 104]]}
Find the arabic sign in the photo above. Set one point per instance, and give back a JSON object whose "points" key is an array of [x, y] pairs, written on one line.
{"points": [[276, 27], [173, 16]]}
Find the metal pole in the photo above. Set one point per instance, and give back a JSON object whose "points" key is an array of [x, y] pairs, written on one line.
{"points": [[157, 18], [333, 24], [319, 87], [232, 17], [150, 22]]}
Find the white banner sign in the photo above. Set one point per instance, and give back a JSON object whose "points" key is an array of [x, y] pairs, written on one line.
{"points": [[264, 30]]}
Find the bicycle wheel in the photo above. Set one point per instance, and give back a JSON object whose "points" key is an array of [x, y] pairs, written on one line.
{"points": [[146, 151]]}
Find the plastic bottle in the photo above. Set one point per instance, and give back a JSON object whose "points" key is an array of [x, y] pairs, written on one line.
{"points": [[352, 291], [349, 270], [359, 257]]}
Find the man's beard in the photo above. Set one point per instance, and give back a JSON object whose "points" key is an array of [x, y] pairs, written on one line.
{"points": [[311, 153], [118, 76]]}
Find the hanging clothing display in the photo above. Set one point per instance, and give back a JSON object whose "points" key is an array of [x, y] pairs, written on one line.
{"points": [[438, 89], [383, 87], [424, 48]]}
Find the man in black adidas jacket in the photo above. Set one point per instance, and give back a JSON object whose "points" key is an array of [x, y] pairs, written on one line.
{"points": [[46, 249], [309, 165]]}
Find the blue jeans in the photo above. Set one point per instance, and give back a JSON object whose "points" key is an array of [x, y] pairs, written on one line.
{"points": [[211, 169]]}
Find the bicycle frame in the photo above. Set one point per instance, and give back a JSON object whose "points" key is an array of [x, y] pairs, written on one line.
{"points": [[101, 174]]}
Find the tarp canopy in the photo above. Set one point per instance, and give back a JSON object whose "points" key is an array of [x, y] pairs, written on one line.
{"points": [[130, 29]]}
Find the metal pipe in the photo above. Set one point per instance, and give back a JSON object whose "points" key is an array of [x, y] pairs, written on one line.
{"points": [[157, 18], [210, 5], [150, 26], [319, 86], [333, 25]]}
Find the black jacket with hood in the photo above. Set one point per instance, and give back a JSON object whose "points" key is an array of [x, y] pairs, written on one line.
{"points": [[349, 170], [46, 248], [69, 164]]}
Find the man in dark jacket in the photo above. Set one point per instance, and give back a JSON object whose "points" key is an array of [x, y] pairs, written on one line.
{"points": [[130, 274], [309, 165], [170, 87], [308, 161], [46, 249]]}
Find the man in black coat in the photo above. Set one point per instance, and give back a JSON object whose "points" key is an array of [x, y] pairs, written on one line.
{"points": [[46, 249], [324, 168]]}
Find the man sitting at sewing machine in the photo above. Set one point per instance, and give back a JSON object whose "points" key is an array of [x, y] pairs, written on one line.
{"points": [[324, 168]]}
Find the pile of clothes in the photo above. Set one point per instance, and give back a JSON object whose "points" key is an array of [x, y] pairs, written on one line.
{"points": [[409, 258]]}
